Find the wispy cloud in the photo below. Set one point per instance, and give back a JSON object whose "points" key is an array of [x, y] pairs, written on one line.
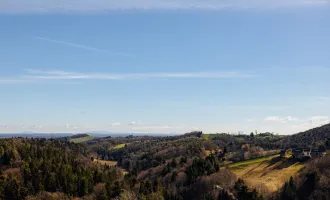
{"points": [[33, 75], [312, 122], [115, 124], [134, 123], [33, 6], [300, 124], [280, 119], [321, 119], [108, 76], [72, 44], [156, 127], [12, 81], [246, 107], [84, 47]]}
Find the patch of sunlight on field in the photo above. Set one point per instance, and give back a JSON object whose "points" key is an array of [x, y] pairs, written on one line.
{"points": [[252, 161], [111, 164], [82, 139], [266, 174], [209, 152], [106, 162], [119, 146]]}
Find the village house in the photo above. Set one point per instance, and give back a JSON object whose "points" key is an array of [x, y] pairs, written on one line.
{"points": [[300, 153], [316, 153]]}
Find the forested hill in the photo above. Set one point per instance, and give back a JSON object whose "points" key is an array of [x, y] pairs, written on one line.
{"points": [[315, 137], [79, 135], [194, 166], [29, 166], [78, 138]]}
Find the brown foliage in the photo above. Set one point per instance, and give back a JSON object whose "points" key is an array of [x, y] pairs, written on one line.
{"points": [[49, 196], [13, 172]]}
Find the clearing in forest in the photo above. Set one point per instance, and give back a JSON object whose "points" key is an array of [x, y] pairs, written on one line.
{"points": [[106, 162], [119, 146], [266, 174], [111, 164], [81, 139]]}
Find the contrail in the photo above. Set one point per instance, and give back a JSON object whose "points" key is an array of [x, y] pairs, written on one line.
{"points": [[80, 46]]}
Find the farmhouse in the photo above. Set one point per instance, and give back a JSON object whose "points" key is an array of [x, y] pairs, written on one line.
{"points": [[316, 153], [301, 153]]}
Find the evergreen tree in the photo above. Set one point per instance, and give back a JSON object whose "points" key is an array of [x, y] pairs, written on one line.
{"points": [[11, 190], [173, 163], [289, 190], [174, 175]]}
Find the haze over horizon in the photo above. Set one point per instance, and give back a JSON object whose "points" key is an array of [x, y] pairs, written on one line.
{"points": [[164, 66]]}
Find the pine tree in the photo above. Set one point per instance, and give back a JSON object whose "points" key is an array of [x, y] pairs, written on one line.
{"points": [[11, 190], [173, 163], [174, 175]]}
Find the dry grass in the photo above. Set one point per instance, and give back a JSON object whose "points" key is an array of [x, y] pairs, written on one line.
{"points": [[82, 139], [111, 164], [106, 162], [119, 146], [208, 152], [267, 175]]}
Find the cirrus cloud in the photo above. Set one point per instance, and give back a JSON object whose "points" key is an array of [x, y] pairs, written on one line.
{"points": [[280, 119], [60, 6], [33, 75], [115, 124]]}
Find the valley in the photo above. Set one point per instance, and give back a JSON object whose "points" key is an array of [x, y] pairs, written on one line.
{"points": [[194, 166]]}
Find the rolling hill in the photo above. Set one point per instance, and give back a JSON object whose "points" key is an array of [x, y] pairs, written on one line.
{"points": [[310, 138], [268, 174]]}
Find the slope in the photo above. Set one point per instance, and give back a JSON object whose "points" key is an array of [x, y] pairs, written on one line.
{"points": [[310, 138], [267, 174]]}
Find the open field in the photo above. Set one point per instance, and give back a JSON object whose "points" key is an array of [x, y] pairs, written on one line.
{"points": [[82, 139], [106, 162], [111, 164], [119, 146], [266, 174], [250, 162], [208, 152], [210, 136]]}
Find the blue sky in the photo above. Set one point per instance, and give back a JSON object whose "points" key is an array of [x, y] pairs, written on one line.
{"points": [[164, 66]]}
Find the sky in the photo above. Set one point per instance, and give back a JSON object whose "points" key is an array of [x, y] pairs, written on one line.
{"points": [[164, 66]]}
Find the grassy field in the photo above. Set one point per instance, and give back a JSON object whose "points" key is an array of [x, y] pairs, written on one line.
{"points": [[111, 164], [82, 139], [208, 152], [266, 174], [119, 146], [250, 162], [106, 162], [210, 136]]}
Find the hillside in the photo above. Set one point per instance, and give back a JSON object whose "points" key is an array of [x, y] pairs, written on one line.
{"points": [[78, 138], [81, 139], [30, 166], [313, 182], [191, 166], [310, 138], [267, 174]]}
